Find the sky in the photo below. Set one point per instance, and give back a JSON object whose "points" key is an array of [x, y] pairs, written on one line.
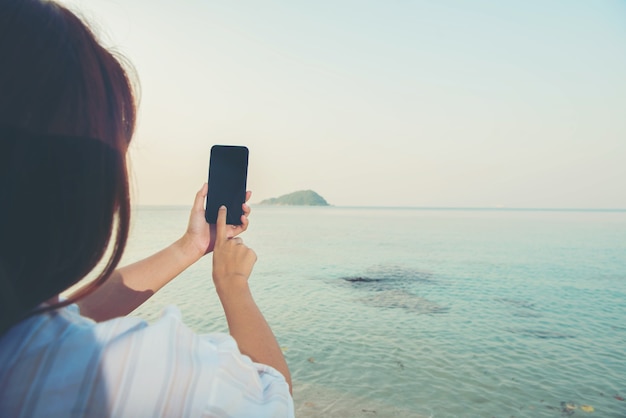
{"points": [[441, 103]]}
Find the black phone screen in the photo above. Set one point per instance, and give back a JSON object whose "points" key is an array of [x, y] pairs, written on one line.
{"points": [[228, 171]]}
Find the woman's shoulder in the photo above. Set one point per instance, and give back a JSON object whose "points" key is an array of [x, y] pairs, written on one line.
{"points": [[61, 329], [125, 364], [66, 329]]}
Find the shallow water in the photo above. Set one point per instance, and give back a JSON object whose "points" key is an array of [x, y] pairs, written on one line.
{"points": [[442, 313]]}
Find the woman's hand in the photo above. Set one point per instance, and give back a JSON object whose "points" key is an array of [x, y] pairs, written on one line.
{"points": [[200, 236], [232, 259], [232, 265]]}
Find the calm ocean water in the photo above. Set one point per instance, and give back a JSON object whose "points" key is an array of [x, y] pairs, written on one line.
{"points": [[414, 313]]}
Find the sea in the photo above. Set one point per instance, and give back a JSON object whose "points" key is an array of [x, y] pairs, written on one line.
{"points": [[412, 312]]}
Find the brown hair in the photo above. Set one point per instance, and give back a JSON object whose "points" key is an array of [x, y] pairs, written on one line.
{"points": [[67, 115]]}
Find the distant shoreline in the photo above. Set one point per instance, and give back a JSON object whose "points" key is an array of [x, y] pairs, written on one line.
{"points": [[418, 208], [487, 209]]}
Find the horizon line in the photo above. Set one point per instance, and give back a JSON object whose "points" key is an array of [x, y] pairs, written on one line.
{"points": [[441, 208]]}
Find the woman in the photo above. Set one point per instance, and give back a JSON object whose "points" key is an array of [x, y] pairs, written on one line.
{"points": [[67, 115]]}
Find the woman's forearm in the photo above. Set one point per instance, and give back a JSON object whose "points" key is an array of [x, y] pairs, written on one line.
{"points": [[132, 285], [250, 329]]}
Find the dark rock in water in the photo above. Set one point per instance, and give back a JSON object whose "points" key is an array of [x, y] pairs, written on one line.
{"points": [[399, 273], [359, 279], [391, 277]]}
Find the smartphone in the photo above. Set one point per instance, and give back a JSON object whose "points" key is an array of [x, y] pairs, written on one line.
{"points": [[228, 173]]}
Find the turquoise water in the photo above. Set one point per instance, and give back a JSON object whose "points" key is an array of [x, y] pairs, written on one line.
{"points": [[442, 313]]}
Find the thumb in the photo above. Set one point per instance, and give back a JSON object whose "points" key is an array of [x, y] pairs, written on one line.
{"points": [[198, 203]]}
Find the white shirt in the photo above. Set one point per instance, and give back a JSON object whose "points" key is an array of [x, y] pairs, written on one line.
{"points": [[61, 364]]}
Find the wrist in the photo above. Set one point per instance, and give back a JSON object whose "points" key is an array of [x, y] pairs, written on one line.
{"points": [[231, 287], [188, 250]]}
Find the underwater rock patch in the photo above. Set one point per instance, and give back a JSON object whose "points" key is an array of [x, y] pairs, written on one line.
{"points": [[393, 286], [399, 299]]}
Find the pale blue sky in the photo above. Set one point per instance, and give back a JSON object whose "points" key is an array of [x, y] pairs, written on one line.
{"points": [[385, 103]]}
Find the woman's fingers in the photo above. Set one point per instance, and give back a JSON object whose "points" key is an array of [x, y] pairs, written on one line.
{"points": [[220, 225], [198, 203], [231, 258], [246, 210]]}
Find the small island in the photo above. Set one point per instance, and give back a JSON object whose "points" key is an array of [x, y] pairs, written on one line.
{"points": [[299, 198]]}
